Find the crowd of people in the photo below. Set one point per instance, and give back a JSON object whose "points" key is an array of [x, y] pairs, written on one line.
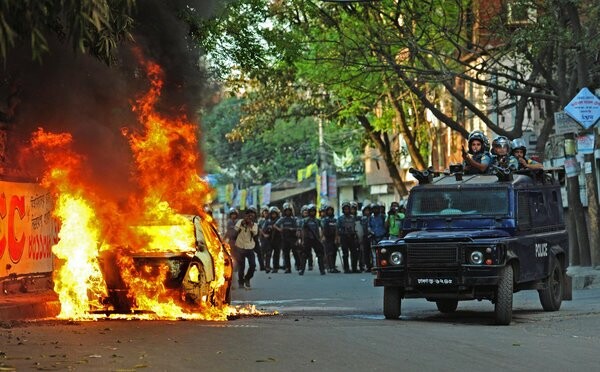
{"points": [[276, 238], [281, 241]]}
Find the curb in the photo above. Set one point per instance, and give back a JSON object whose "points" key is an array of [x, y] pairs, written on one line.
{"points": [[24, 306], [38, 310], [584, 277]]}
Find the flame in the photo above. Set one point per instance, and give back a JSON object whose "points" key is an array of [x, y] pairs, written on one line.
{"points": [[97, 238]]}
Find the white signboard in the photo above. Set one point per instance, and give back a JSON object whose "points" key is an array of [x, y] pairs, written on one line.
{"points": [[585, 144], [584, 108], [563, 124]]}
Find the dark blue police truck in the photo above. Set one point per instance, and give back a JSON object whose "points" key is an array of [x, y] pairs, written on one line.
{"points": [[477, 237]]}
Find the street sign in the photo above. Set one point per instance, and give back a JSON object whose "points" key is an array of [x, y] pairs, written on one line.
{"points": [[563, 124], [584, 108]]}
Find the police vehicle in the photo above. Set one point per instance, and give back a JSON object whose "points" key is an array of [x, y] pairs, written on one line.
{"points": [[477, 237]]}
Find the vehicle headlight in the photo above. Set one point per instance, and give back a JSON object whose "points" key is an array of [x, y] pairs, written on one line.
{"points": [[476, 258], [396, 258]]}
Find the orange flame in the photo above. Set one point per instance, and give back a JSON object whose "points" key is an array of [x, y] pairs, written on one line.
{"points": [[165, 153]]}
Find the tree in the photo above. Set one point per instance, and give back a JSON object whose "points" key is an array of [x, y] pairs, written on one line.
{"points": [[392, 55], [274, 153], [94, 27], [91, 26]]}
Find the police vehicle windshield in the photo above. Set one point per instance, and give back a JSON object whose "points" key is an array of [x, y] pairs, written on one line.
{"points": [[444, 202]]}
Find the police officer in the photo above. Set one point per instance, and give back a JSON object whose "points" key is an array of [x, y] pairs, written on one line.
{"points": [[330, 238], [311, 237], [288, 226], [376, 224], [299, 251], [263, 239], [501, 154], [360, 234], [274, 247], [366, 242], [476, 159], [519, 151], [346, 225]]}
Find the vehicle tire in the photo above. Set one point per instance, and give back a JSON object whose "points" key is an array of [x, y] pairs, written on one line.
{"points": [[504, 297], [447, 306], [193, 291], [392, 302], [551, 297]]}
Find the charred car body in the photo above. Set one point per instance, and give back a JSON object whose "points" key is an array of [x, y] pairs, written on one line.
{"points": [[185, 276], [469, 237]]}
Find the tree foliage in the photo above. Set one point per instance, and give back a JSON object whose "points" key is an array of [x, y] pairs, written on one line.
{"points": [[401, 59], [91, 26], [274, 153]]}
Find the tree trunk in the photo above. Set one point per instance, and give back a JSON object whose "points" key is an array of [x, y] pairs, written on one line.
{"points": [[385, 152], [590, 184]]}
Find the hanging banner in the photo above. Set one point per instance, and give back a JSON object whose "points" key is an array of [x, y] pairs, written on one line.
{"points": [[229, 193], [332, 186], [242, 199], [324, 190], [266, 194]]}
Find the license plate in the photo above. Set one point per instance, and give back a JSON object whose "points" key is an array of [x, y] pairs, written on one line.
{"points": [[435, 281]]}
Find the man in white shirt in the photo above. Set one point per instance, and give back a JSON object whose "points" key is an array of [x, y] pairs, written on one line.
{"points": [[244, 245]]}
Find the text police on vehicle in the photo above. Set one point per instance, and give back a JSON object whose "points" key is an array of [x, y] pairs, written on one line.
{"points": [[479, 236]]}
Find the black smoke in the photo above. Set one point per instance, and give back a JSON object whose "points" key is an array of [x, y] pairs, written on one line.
{"points": [[76, 93]]}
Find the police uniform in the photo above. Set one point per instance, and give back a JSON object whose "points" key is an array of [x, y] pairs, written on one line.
{"points": [[312, 241], [347, 231], [289, 227], [329, 224]]}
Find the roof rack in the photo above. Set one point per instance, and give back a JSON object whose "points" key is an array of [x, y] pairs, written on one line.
{"points": [[540, 176]]}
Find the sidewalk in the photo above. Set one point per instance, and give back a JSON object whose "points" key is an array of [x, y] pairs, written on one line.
{"points": [[33, 305], [584, 277]]}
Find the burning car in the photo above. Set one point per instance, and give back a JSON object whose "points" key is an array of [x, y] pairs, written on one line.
{"points": [[184, 263]]}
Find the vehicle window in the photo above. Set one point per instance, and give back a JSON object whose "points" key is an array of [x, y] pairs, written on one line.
{"points": [[523, 210], [200, 239], [459, 202]]}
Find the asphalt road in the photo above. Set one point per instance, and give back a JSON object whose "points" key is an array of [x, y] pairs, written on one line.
{"points": [[328, 323]]}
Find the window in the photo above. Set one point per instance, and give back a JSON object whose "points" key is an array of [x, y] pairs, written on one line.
{"points": [[459, 202], [523, 211]]}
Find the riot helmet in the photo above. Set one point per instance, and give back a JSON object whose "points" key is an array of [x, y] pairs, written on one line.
{"points": [[481, 137], [518, 144], [500, 142]]}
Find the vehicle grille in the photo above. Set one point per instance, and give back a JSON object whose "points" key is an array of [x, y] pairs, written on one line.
{"points": [[431, 255]]}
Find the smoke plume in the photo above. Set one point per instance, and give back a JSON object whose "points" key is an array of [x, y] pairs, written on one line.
{"points": [[75, 93]]}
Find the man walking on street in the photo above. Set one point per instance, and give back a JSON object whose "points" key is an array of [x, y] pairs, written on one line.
{"points": [[244, 244]]}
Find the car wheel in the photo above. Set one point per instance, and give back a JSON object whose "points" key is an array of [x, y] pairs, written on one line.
{"points": [[504, 297], [194, 285], [551, 297], [391, 302], [447, 306]]}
